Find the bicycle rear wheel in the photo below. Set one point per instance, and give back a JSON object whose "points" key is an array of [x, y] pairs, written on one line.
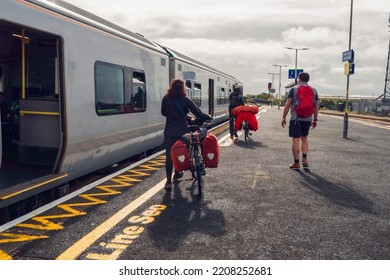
{"points": [[246, 131]]}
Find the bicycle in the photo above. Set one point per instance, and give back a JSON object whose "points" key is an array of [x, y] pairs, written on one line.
{"points": [[193, 139]]}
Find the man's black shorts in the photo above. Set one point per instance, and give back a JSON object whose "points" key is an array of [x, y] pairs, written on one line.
{"points": [[298, 129]]}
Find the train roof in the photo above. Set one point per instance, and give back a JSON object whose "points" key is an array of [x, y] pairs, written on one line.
{"points": [[66, 9], [178, 55]]}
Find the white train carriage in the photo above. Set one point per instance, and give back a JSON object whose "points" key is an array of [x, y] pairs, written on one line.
{"points": [[208, 87], [84, 93], [80, 94]]}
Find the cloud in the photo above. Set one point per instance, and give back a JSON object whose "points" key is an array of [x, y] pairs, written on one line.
{"points": [[246, 38], [315, 37]]}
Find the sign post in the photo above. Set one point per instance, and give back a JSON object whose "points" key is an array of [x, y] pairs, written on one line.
{"points": [[348, 55], [291, 73], [349, 68]]}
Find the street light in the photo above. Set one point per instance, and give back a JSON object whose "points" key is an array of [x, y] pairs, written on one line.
{"points": [[269, 93], [280, 82], [296, 59]]}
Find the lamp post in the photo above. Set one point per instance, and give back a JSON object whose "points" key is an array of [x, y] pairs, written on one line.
{"points": [[296, 59], [280, 82], [269, 94], [345, 128]]}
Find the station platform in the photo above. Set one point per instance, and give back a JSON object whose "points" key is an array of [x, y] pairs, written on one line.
{"points": [[253, 207]]}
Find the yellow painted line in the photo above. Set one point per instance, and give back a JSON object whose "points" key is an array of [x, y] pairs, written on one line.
{"points": [[34, 187], [4, 256], [19, 237], [80, 246], [121, 180], [45, 223]]}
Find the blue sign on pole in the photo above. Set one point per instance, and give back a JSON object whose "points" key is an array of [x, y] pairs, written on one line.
{"points": [[348, 56], [291, 73]]}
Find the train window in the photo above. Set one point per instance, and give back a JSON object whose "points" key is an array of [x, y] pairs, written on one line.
{"points": [[109, 89], [189, 88], [189, 92], [179, 67], [138, 92], [222, 96], [41, 62], [197, 94], [163, 62]]}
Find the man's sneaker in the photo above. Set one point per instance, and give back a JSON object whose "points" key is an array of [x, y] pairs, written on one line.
{"points": [[232, 138], [236, 135], [295, 166], [305, 164], [178, 176], [168, 186]]}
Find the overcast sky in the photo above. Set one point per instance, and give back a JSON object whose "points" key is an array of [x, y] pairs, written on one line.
{"points": [[246, 38]]}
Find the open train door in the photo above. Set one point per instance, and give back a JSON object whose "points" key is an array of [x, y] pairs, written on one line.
{"points": [[32, 133], [39, 102], [211, 97], [3, 109]]}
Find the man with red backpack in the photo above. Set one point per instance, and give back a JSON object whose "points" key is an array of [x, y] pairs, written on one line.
{"points": [[303, 101]]}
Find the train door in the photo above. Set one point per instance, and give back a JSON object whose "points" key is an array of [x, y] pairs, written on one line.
{"points": [[211, 97], [32, 132], [3, 109]]}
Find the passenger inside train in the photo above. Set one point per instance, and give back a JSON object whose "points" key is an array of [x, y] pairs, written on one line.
{"points": [[139, 99]]}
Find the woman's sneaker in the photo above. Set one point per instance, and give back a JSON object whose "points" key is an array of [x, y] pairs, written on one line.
{"points": [[178, 176], [168, 186]]}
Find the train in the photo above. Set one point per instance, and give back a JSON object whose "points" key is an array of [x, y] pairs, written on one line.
{"points": [[79, 94]]}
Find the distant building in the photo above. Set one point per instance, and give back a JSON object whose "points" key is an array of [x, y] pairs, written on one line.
{"points": [[371, 107]]}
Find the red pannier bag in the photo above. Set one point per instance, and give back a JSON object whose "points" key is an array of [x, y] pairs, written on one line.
{"points": [[180, 156], [249, 117], [246, 108], [210, 151]]}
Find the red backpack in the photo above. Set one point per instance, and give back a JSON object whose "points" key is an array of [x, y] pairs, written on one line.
{"points": [[305, 105]]}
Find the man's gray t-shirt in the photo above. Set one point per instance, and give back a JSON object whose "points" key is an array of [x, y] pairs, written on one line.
{"points": [[293, 94]]}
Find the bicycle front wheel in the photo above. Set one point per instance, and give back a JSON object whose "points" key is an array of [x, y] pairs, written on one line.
{"points": [[199, 178], [198, 167]]}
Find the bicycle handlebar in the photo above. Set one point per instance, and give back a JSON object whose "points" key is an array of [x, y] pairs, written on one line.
{"points": [[200, 121], [202, 133]]}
